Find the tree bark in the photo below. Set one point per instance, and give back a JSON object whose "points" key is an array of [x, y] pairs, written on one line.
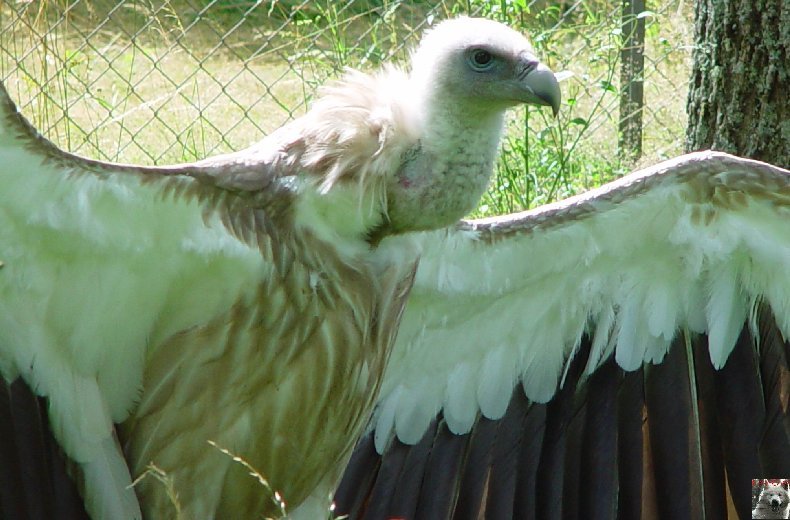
{"points": [[632, 84], [739, 95]]}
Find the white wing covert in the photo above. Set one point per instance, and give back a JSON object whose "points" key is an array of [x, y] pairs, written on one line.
{"points": [[544, 350]]}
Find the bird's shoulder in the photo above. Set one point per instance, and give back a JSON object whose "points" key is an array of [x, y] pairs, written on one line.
{"points": [[358, 129]]}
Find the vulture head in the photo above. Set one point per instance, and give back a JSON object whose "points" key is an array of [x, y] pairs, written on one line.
{"points": [[465, 74], [482, 68]]}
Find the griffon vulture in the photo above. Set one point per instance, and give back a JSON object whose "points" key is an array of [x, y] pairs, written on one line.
{"points": [[156, 321]]}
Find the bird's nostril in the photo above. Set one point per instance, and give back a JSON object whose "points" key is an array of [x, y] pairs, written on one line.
{"points": [[531, 65], [528, 63]]}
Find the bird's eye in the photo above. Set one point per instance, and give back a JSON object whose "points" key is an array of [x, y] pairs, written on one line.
{"points": [[481, 59]]}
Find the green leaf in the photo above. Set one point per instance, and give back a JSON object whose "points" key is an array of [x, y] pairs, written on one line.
{"points": [[578, 121], [107, 106]]}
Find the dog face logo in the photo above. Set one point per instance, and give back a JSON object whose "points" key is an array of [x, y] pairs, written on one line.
{"points": [[770, 498]]}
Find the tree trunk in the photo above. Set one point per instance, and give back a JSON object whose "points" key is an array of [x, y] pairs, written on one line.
{"points": [[739, 95], [632, 84]]}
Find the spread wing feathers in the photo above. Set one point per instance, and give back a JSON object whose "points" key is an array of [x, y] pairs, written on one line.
{"points": [[104, 262], [619, 351]]}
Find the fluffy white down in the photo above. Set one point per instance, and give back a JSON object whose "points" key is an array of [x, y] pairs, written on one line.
{"points": [[485, 317]]}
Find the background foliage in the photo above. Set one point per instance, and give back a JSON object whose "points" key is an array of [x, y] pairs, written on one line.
{"points": [[152, 81]]}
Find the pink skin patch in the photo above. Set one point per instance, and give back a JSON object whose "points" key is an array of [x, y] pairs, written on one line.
{"points": [[406, 183]]}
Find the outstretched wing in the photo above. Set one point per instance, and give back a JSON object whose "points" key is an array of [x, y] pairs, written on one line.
{"points": [[99, 261], [128, 295], [616, 354]]}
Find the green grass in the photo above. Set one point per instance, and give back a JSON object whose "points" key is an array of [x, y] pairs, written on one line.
{"points": [[153, 82]]}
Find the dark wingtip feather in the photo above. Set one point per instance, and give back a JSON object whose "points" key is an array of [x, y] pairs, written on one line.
{"points": [[472, 492], [534, 430], [559, 412], [711, 455], [387, 478], [669, 408], [774, 446], [358, 478], [630, 420], [598, 492], [34, 482], [406, 491], [440, 485], [741, 413], [504, 459]]}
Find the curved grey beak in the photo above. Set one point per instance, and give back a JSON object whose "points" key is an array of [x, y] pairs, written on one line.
{"points": [[541, 85]]}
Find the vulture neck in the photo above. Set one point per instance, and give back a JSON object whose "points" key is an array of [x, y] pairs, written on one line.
{"points": [[463, 130], [445, 174]]}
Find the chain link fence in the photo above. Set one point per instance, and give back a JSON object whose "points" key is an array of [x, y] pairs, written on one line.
{"points": [[152, 81]]}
